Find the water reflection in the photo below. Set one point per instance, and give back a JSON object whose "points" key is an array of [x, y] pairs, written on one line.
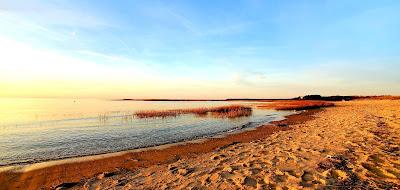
{"points": [[41, 129]]}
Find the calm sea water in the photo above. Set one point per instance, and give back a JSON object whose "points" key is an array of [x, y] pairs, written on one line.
{"points": [[34, 130]]}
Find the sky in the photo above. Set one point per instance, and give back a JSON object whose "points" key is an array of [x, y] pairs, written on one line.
{"points": [[199, 49]]}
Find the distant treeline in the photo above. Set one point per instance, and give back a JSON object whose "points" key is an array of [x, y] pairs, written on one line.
{"points": [[346, 98]]}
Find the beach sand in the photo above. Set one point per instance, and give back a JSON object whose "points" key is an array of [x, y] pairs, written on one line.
{"points": [[354, 145]]}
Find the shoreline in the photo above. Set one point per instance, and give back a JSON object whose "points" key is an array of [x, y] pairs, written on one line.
{"points": [[71, 170], [354, 145], [197, 139]]}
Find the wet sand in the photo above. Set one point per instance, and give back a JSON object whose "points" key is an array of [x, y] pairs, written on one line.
{"points": [[354, 145]]}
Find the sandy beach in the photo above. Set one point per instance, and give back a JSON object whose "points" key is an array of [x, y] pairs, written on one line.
{"points": [[249, 94], [354, 145]]}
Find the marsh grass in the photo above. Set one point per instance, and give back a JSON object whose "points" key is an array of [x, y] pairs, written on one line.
{"points": [[103, 117], [154, 113], [231, 111]]}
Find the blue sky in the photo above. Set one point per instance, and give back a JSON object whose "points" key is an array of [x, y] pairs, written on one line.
{"points": [[187, 49]]}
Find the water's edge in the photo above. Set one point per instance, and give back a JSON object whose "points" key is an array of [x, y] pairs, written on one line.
{"points": [[196, 139]]}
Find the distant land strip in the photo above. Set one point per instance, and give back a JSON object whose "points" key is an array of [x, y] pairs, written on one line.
{"points": [[307, 97], [229, 99]]}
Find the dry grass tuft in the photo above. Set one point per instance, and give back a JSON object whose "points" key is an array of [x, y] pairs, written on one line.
{"points": [[231, 111], [154, 113], [297, 105]]}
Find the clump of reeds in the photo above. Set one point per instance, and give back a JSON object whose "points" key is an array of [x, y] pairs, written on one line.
{"points": [[103, 117], [154, 113], [231, 111], [297, 105]]}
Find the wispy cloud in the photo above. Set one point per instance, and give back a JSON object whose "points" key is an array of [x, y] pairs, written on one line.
{"points": [[53, 13], [16, 24], [198, 27], [185, 22], [43, 64]]}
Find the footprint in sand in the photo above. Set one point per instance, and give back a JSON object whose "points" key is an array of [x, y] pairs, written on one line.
{"points": [[255, 171], [249, 181], [307, 179], [226, 175]]}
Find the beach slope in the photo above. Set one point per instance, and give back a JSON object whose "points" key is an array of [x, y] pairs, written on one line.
{"points": [[354, 145]]}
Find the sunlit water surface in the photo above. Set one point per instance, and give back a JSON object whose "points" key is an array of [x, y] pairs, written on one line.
{"points": [[33, 130]]}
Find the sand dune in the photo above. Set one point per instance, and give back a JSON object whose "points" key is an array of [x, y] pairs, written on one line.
{"points": [[354, 145]]}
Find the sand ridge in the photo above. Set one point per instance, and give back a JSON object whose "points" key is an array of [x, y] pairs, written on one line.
{"points": [[354, 145]]}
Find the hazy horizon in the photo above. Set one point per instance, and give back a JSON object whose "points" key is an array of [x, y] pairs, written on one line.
{"points": [[198, 49]]}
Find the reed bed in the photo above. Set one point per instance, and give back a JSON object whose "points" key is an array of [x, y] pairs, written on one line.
{"points": [[231, 111], [102, 117], [154, 113], [297, 105]]}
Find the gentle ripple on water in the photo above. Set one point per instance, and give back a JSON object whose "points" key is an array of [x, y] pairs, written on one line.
{"points": [[38, 140]]}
